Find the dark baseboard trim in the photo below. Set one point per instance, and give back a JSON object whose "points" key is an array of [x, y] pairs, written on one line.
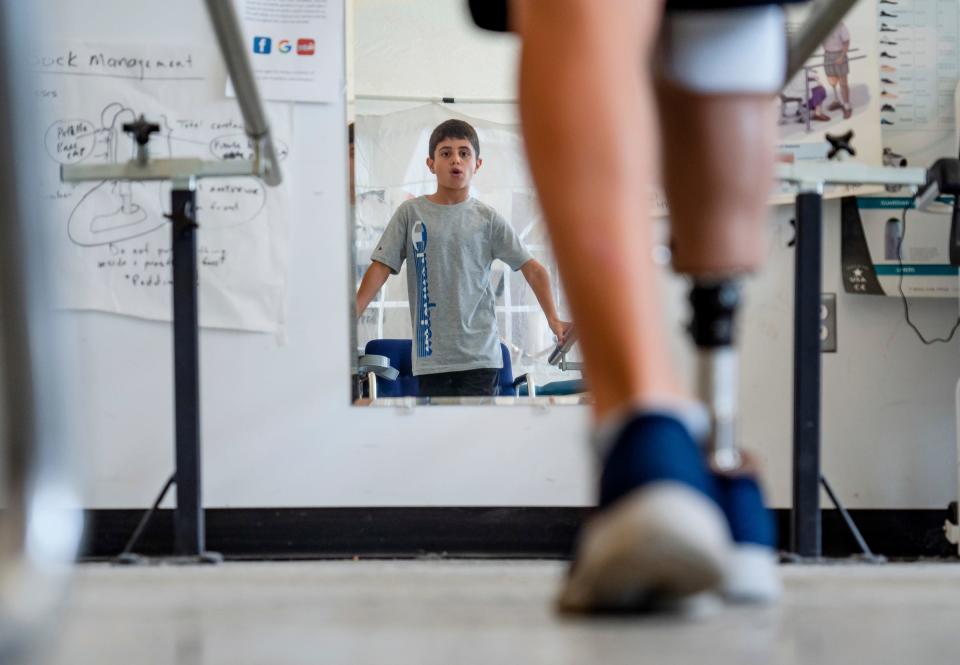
{"points": [[508, 532]]}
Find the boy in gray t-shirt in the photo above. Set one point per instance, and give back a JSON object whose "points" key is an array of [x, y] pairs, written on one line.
{"points": [[451, 241]]}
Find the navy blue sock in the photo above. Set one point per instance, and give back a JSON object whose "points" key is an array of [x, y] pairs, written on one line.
{"points": [[651, 448], [742, 502]]}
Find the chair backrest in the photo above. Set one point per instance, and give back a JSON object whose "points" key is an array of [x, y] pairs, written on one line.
{"points": [[506, 373], [406, 385], [398, 352]]}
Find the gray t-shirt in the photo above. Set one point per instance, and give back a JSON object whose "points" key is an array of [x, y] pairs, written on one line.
{"points": [[451, 249]]}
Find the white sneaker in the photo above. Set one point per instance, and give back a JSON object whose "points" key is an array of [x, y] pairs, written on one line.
{"points": [[753, 575], [656, 546]]}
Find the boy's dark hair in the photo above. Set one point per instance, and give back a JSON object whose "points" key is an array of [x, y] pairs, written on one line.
{"points": [[454, 129]]}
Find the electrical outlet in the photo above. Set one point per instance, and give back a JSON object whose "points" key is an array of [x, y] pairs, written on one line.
{"points": [[828, 322]]}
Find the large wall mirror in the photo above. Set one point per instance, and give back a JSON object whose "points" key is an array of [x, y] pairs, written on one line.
{"points": [[413, 65]]}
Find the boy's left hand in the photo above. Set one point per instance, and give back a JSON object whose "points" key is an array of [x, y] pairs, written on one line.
{"points": [[560, 328]]}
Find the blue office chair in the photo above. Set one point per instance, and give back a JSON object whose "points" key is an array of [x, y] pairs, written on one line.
{"points": [[406, 384], [397, 351]]}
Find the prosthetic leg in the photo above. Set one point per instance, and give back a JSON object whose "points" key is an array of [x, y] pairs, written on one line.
{"points": [[752, 574], [716, 115], [666, 524], [718, 74], [715, 305]]}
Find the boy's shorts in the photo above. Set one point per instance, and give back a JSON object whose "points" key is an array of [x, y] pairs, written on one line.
{"points": [[466, 383], [703, 47]]}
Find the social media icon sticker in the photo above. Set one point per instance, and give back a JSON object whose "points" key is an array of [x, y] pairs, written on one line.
{"points": [[261, 45], [306, 47], [284, 46]]}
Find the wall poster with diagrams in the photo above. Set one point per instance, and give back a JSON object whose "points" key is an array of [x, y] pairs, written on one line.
{"points": [[112, 238], [836, 92]]}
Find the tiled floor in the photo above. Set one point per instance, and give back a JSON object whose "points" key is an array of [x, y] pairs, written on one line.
{"points": [[461, 612]]}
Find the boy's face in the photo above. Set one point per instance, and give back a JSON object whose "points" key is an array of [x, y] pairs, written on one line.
{"points": [[454, 163]]}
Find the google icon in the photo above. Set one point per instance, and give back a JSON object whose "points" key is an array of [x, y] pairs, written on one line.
{"points": [[284, 46]]}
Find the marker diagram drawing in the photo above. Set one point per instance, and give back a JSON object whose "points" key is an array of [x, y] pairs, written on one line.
{"points": [[110, 240], [115, 211]]}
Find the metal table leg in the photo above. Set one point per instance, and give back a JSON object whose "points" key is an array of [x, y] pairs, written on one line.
{"points": [[805, 536]]}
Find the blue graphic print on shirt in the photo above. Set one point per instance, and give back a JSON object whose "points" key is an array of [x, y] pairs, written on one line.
{"points": [[424, 332]]}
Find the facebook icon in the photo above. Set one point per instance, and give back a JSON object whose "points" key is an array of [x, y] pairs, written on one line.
{"points": [[261, 45]]}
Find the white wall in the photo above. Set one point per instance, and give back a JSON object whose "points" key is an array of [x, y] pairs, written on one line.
{"points": [[888, 416], [278, 429]]}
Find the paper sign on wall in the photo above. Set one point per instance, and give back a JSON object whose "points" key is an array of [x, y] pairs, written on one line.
{"points": [[112, 238], [883, 249], [838, 90], [288, 43]]}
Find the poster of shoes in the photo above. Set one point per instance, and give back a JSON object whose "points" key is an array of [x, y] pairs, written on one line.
{"points": [[837, 91], [919, 66], [919, 69]]}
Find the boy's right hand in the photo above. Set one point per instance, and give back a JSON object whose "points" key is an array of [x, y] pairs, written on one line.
{"points": [[561, 329]]}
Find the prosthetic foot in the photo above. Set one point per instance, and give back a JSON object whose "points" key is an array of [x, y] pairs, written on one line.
{"points": [[752, 575]]}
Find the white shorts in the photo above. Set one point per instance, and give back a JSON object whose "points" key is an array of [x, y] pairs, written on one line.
{"points": [[741, 50]]}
